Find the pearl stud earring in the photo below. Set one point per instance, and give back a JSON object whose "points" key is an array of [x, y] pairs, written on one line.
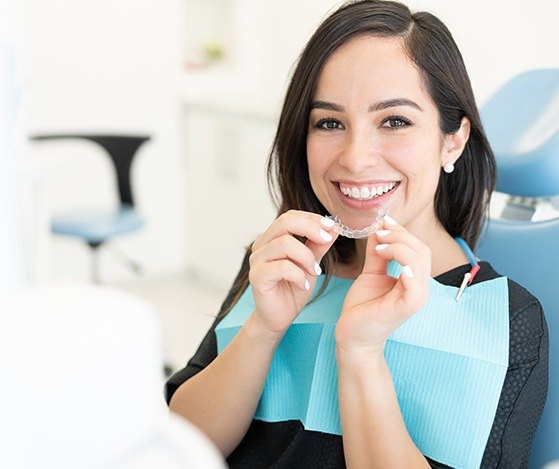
{"points": [[448, 168]]}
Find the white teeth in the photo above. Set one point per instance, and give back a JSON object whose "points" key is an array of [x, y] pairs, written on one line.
{"points": [[365, 193]]}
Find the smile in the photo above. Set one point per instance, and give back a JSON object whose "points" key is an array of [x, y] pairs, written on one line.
{"points": [[366, 192]]}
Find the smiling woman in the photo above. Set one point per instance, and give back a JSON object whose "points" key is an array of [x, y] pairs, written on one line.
{"points": [[374, 137], [381, 366]]}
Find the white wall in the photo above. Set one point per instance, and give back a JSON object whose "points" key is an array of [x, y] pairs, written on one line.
{"points": [[498, 38]]}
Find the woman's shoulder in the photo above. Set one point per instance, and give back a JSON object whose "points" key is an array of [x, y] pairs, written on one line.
{"points": [[520, 299], [528, 336], [522, 304], [527, 325]]}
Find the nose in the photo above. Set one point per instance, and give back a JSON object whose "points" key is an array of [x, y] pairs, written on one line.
{"points": [[359, 151]]}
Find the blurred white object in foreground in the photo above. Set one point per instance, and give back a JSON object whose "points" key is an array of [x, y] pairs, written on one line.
{"points": [[81, 384], [15, 269]]}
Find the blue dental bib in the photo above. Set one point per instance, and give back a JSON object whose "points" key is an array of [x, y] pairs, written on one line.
{"points": [[448, 363]]}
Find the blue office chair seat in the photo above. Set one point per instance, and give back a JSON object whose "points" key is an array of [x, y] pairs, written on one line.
{"points": [[522, 124], [97, 226]]}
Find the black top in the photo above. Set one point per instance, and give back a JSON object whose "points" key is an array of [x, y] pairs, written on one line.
{"points": [[288, 445]]}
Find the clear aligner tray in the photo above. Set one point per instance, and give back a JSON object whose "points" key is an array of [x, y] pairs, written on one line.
{"points": [[348, 232]]}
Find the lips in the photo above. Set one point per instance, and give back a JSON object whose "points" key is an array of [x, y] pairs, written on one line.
{"points": [[366, 191]]}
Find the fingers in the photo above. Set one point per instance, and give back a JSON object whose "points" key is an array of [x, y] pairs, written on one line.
{"points": [[315, 228], [320, 249], [394, 242], [273, 272], [278, 255], [286, 247]]}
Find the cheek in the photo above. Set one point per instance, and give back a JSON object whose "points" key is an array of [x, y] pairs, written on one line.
{"points": [[401, 153], [411, 155], [318, 161]]}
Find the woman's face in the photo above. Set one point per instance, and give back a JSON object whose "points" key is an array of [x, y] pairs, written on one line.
{"points": [[374, 139]]}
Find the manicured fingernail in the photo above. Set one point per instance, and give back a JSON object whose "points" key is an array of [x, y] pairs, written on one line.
{"points": [[380, 247], [383, 232], [388, 219], [325, 235], [317, 268], [407, 271], [307, 285], [327, 222]]}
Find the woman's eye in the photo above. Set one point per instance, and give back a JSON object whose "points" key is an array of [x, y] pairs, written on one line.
{"points": [[328, 124], [396, 122]]}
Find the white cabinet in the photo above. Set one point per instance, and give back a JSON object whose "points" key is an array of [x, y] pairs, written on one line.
{"points": [[229, 205]]}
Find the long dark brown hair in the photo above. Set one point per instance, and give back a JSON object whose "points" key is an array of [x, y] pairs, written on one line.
{"points": [[462, 198]]}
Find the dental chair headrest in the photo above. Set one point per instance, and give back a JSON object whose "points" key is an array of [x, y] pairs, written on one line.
{"points": [[522, 123]]}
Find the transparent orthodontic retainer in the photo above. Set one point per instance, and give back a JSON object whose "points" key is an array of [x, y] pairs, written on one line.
{"points": [[348, 232]]}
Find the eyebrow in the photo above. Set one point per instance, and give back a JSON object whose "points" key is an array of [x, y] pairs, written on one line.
{"points": [[328, 106]]}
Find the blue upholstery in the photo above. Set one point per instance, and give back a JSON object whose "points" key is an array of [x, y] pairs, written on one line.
{"points": [[97, 226], [522, 123], [525, 140]]}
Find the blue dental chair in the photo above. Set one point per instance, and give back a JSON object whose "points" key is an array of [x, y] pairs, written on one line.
{"points": [[522, 124], [98, 227]]}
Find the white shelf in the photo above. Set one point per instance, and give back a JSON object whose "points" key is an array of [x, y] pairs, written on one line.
{"points": [[220, 93]]}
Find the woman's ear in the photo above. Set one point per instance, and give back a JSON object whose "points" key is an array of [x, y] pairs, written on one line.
{"points": [[454, 143]]}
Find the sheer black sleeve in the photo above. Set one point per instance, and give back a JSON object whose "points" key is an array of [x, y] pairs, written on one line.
{"points": [[207, 351], [525, 388]]}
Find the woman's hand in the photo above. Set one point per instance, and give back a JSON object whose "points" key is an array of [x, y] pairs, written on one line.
{"points": [[283, 270], [377, 304]]}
